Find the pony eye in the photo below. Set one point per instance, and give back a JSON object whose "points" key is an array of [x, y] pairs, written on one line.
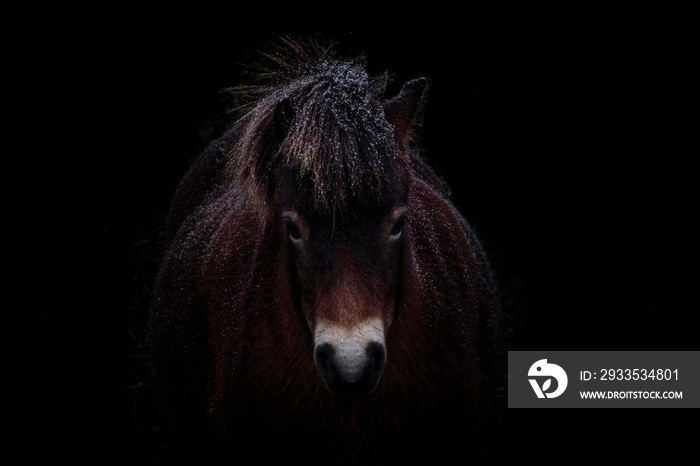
{"points": [[396, 230], [293, 231]]}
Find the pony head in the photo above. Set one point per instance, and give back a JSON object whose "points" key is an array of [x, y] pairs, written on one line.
{"points": [[324, 160]]}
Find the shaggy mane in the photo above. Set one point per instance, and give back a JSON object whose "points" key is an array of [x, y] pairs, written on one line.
{"points": [[320, 118]]}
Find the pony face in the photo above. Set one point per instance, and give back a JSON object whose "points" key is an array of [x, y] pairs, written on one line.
{"points": [[346, 271], [330, 156]]}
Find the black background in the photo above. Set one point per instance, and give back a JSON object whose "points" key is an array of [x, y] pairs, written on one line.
{"points": [[567, 140]]}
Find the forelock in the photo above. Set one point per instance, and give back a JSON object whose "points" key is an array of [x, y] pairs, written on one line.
{"points": [[339, 142]]}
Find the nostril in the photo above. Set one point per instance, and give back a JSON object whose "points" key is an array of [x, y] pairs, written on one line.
{"points": [[324, 351], [324, 359], [376, 353]]}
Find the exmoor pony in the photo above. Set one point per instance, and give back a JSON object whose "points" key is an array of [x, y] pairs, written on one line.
{"points": [[320, 299]]}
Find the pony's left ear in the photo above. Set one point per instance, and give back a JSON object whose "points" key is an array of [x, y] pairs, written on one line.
{"points": [[402, 109]]}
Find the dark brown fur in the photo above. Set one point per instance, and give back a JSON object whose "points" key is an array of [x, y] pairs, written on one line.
{"points": [[232, 349]]}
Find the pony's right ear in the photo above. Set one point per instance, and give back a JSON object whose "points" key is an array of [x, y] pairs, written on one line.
{"points": [[284, 114], [402, 109]]}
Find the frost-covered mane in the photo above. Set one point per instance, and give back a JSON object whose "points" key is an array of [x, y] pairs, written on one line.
{"points": [[322, 120]]}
